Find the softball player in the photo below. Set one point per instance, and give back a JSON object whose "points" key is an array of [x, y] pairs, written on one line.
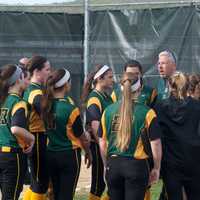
{"points": [[39, 69], [50, 189], [97, 101], [65, 134], [15, 140], [121, 143], [147, 95]]}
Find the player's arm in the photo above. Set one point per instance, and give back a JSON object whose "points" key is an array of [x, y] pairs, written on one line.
{"points": [[35, 99], [77, 127], [93, 114], [102, 139], [155, 141], [19, 119]]}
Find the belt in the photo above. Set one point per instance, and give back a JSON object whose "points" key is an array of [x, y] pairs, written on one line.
{"points": [[6, 149], [114, 155]]}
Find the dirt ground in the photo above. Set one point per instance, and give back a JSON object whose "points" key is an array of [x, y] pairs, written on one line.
{"points": [[84, 178]]}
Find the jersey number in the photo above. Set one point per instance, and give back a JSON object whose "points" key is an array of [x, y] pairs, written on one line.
{"points": [[3, 115], [115, 123]]}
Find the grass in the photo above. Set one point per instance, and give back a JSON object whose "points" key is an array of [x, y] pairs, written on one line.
{"points": [[81, 195], [155, 192]]}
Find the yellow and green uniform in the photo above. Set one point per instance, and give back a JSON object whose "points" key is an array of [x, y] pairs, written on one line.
{"points": [[38, 168], [32, 96], [66, 126], [130, 165], [13, 163], [64, 153], [69, 100], [143, 117], [7, 110], [96, 104], [148, 95]]}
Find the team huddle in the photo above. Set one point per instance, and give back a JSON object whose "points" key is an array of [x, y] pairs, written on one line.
{"points": [[132, 135]]}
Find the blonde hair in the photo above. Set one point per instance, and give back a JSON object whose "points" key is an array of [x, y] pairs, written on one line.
{"points": [[178, 83], [126, 112], [194, 83]]}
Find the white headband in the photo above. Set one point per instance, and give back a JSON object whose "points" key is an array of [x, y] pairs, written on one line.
{"points": [[135, 86], [16, 75], [101, 71], [63, 80]]}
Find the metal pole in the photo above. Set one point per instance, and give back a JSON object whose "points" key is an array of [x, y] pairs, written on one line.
{"points": [[86, 49], [86, 38]]}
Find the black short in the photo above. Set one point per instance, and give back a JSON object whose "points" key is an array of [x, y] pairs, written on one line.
{"points": [[127, 178], [13, 167], [38, 164], [64, 169], [97, 184]]}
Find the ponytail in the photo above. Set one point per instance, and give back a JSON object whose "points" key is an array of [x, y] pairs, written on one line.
{"points": [[46, 102], [87, 87], [124, 133], [178, 85], [5, 74], [126, 112], [48, 95]]}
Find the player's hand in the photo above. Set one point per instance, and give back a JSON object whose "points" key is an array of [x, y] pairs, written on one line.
{"points": [[88, 136], [154, 176], [28, 148]]}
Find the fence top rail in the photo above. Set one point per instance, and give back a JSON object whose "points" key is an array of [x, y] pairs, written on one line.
{"points": [[94, 6]]}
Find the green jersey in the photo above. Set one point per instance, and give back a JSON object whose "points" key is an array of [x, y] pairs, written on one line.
{"points": [[143, 116], [65, 127], [13, 112], [147, 96], [96, 104], [32, 96], [69, 100]]}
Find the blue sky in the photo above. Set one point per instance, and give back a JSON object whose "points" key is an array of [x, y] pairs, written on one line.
{"points": [[29, 2]]}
